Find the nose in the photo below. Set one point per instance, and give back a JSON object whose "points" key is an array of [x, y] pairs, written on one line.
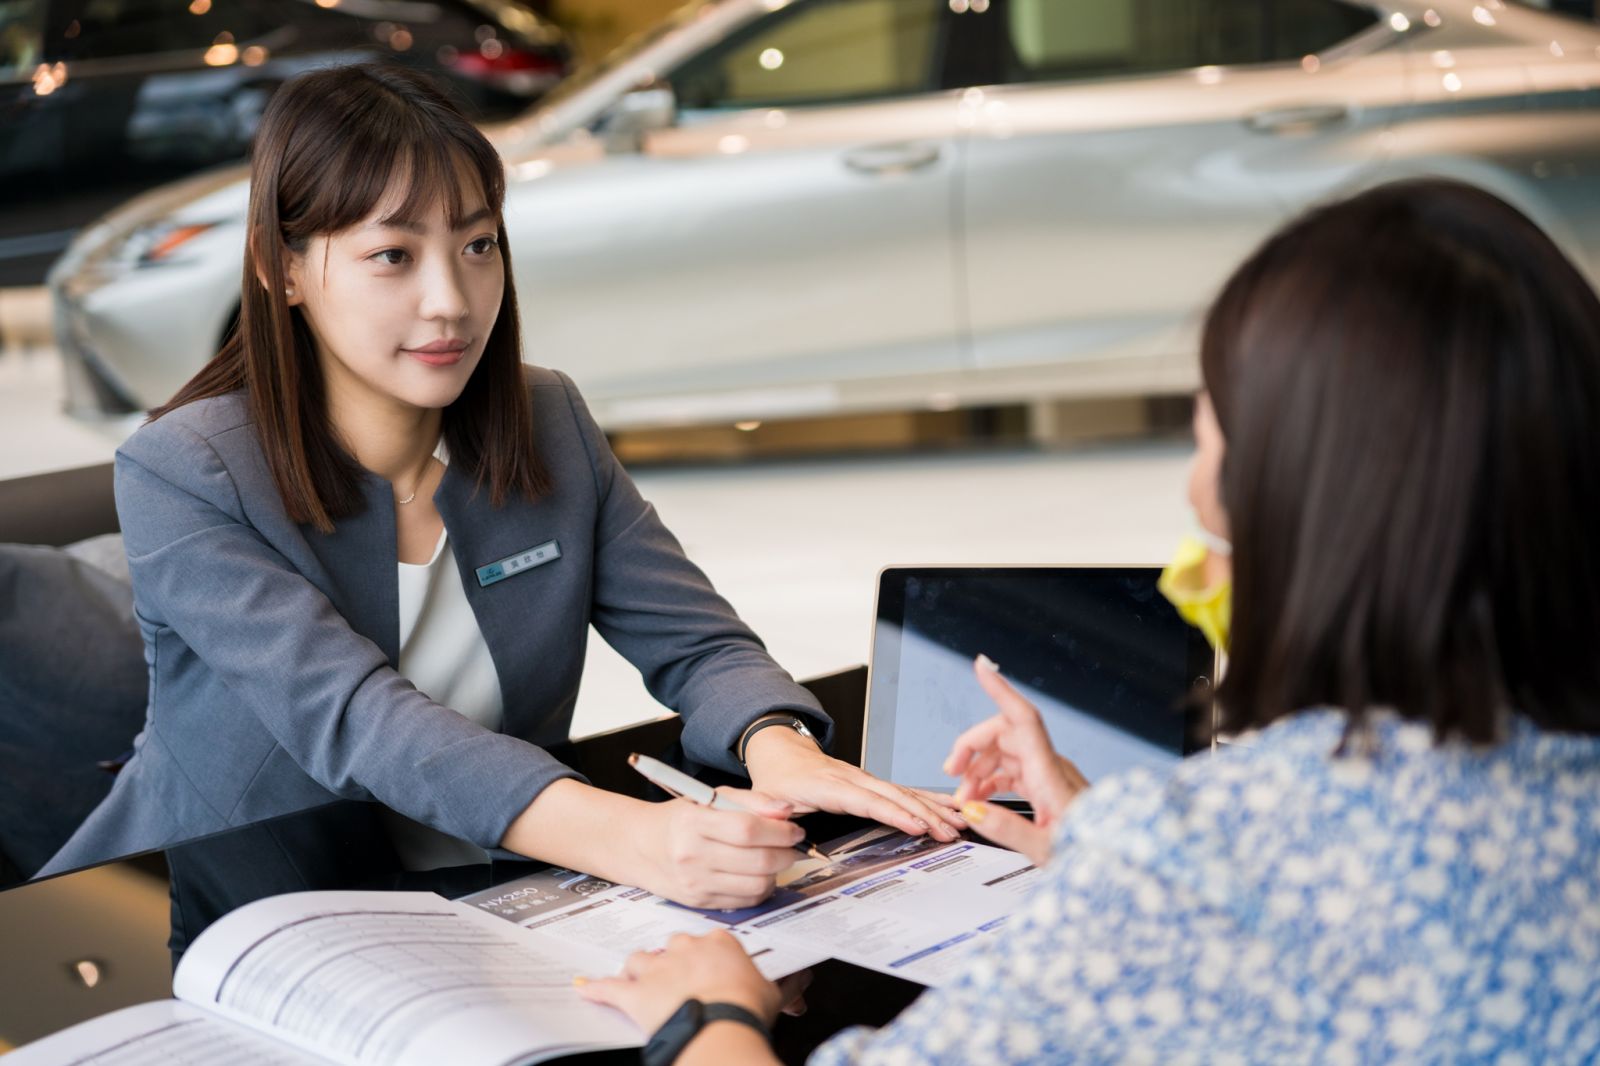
{"points": [[444, 296]]}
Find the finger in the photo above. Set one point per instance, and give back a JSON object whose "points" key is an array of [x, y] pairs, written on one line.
{"points": [[939, 799], [616, 992], [747, 830], [767, 806], [1010, 830], [639, 964], [1013, 705], [977, 770], [943, 805], [943, 823], [975, 739], [923, 815], [719, 858], [865, 801], [733, 901], [792, 989]]}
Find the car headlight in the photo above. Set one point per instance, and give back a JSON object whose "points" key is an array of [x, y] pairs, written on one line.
{"points": [[159, 243]]}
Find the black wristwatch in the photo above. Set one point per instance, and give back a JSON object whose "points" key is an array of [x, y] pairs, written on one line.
{"points": [[675, 1033]]}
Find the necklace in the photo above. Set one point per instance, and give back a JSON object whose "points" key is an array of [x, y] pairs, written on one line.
{"points": [[418, 483]]}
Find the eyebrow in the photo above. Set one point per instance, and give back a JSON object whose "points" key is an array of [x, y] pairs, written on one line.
{"points": [[416, 227]]}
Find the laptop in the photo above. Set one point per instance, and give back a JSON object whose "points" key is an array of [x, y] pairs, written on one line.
{"points": [[1120, 680]]}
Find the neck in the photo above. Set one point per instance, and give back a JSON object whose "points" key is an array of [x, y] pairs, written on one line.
{"points": [[389, 437]]}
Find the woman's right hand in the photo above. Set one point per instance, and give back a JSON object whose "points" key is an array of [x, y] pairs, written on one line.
{"points": [[1012, 752], [708, 858]]}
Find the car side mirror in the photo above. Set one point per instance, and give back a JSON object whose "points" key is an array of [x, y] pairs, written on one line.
{"points": [[638, 113]]}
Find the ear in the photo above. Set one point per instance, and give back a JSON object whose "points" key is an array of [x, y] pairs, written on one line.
{"points": [[293, 268]]}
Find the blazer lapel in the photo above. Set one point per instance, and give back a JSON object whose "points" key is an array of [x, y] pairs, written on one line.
{"points": [[359, 559], [505, 602]]}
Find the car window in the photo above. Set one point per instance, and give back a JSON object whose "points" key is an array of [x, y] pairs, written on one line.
{"points": [[21, 36], [102, 29], [1054, 40], [824, 51]]}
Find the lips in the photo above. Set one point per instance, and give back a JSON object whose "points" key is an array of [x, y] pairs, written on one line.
{"points": [[446, 352]]}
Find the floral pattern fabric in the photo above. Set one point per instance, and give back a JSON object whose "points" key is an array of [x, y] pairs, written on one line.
{"points": [[1277, 903]]}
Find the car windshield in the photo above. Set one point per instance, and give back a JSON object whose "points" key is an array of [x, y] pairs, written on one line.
{"points": [[590, 73]]}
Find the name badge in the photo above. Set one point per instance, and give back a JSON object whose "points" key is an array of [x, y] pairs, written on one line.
{"points": [[512, 565]]}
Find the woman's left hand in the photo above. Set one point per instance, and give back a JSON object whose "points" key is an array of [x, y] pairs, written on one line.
{"points": [[788, 767], [712, 968]]}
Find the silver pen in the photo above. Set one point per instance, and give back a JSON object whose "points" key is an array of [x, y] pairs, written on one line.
{"points": [[674, 781]]}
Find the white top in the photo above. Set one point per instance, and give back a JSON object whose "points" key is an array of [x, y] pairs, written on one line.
{"points": [[442, 653]]}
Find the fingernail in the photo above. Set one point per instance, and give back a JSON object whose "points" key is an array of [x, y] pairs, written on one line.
{"points": [[974, 812], [986, 663], [925, 825], [945, 766], [579, 982]]}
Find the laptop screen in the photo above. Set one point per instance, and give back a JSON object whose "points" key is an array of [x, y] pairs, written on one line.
{"points": [[1098, 650]]}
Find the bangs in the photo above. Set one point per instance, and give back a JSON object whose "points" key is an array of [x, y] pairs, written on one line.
{"points": [[364, 163]]}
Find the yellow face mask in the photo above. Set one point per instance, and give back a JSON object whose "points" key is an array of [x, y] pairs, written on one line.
{"points": [[1183, 582]]}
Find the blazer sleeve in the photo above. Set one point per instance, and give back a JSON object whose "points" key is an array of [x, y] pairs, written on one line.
{"points": [[659, 611], [325, 693]]}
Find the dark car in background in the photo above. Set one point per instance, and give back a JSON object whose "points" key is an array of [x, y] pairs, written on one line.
{"points": [[100, 99]]}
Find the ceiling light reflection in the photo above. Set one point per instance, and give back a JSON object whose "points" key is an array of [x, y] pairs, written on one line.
{"points": [[88, 972], [48, 77], [1481, 16], [1399, 23], [1431, 19], [771, 59], [222, 52], [1451, 82]]}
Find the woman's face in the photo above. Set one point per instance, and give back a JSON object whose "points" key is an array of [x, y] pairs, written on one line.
{"points": [[401, 313], [1205, 470]]}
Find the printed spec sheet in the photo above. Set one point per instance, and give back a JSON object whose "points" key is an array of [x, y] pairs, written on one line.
{"points": [[907, 906]]}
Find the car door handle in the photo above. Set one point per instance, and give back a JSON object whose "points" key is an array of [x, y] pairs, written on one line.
{"points": [[892, 158], [1293, 120]]}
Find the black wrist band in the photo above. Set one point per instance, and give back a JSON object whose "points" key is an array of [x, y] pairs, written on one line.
{"points": [[668, 1042], [790, 721]]}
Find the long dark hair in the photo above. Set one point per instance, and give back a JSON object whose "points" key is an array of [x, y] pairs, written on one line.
{"points": [[1408, 383], [323, 157]]}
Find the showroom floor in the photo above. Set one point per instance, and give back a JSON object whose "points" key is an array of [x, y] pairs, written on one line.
{"points": [[796, 546]]}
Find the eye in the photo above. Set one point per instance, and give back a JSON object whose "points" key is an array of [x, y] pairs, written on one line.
{"points": [[389, 257], [483, 246]]}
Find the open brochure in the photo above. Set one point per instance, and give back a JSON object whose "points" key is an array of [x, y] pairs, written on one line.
{"points": [[408, 977], [908, 906]]}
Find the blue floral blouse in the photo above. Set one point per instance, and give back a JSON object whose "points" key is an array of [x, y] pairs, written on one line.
{"points": [[1278, 904]]}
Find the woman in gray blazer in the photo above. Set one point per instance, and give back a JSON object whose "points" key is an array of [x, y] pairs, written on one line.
{"points": [[372, 410]]}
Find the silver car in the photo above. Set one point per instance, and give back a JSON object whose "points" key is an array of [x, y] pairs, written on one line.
{"points": [[766, 209]]}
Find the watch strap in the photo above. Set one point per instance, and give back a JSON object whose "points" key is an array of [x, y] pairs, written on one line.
{"points": [[668, 1042], [732, 1012], [788, 721]]}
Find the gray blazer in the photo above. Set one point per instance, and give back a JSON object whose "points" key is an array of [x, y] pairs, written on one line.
{"points": [[272, 647]]}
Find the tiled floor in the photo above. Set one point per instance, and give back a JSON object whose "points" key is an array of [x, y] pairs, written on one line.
{"points": [[795, 546]]}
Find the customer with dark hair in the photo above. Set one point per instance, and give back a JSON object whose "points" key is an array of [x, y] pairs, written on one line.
{"points": [[367, 545], [1400, 861]]}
